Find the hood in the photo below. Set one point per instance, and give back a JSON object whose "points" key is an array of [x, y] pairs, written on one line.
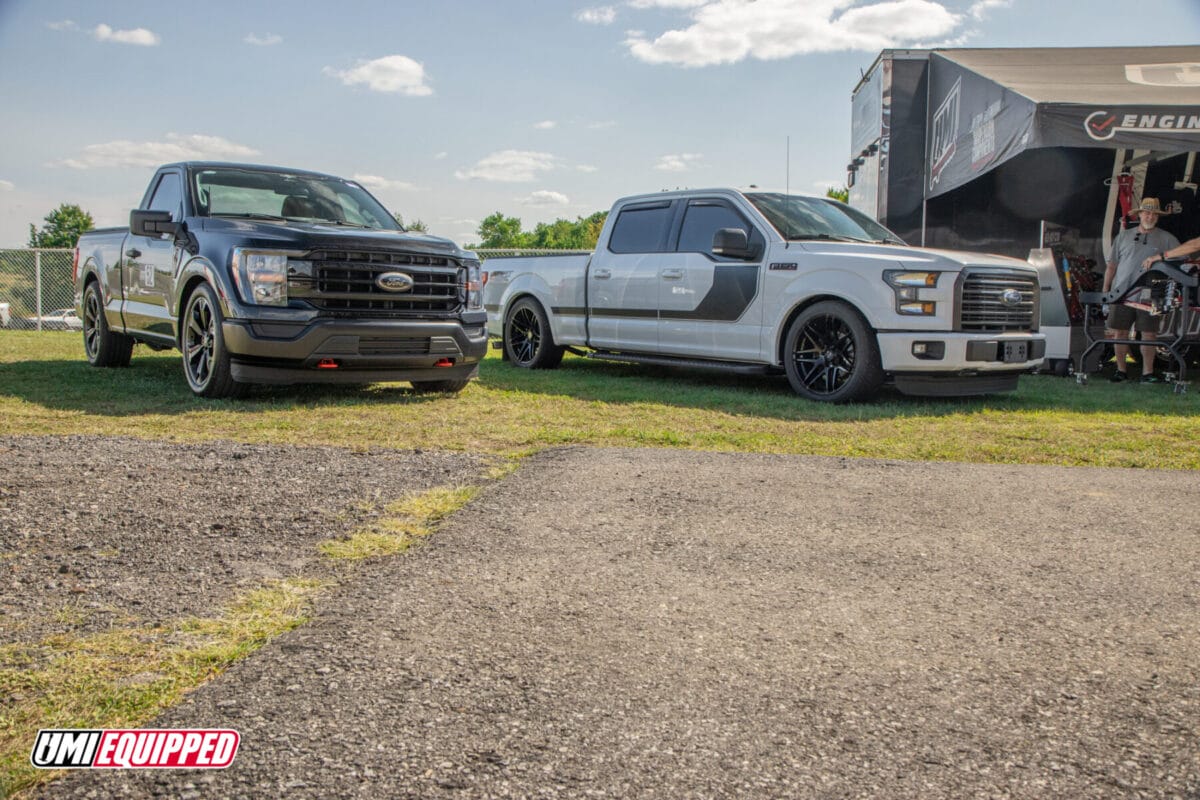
{"points": [[315, 236], [906, 257]]}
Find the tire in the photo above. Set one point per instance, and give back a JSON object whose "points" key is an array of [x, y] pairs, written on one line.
{"points": [[206, 363], [831, 354], [440, 387], [528, 342], [103, 347]]}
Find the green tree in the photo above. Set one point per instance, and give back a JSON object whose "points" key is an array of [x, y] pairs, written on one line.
{"points": [[499, 231], [838, 193], [416, 226], [63, 227]]}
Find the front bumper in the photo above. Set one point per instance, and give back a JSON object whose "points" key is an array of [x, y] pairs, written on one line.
{"points": [[961, 353], [354, 351]]}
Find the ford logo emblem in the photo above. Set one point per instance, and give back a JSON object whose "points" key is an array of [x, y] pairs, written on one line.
{"points": [[394, 282], [1010, 298]]}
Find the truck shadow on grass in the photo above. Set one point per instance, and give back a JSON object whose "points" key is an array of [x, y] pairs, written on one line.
{"points": [[771, 396]]}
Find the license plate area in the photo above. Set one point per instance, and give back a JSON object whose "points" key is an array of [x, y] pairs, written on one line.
{"points": [[1014, 352]]}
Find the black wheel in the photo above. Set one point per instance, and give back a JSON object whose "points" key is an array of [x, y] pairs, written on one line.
{"points": [[205, 359], [103, 347], [831, 354], [1062, 367], [527, 339], [440, 387]]}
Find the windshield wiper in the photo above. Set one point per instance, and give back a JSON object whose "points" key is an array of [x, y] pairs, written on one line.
{"points": [[825, 237], [250, 216]]}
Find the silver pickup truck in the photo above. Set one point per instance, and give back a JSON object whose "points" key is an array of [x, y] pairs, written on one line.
{"points": [[770, 282]]}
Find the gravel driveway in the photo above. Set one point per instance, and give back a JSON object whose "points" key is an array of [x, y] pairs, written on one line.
{"points": [[642, 623]]}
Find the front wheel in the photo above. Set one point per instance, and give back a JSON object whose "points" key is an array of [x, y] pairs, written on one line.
{"points": [[103, 347], [206, 362], [527, 338], [831, 354]]}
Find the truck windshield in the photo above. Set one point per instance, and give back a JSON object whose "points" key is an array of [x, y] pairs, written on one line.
{"points": [[797, 217], [235, 192]]}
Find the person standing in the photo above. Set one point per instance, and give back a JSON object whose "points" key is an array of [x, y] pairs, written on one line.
{"points": [[1129, 250]]}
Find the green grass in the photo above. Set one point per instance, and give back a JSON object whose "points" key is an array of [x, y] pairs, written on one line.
{"points": [[401, 525], [47, 388]]}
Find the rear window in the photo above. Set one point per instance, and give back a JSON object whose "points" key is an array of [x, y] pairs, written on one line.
{"points": [[641, 229]]}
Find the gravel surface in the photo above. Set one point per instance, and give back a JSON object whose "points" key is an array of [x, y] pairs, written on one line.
{"points": [[94, 529], [639, 623]]}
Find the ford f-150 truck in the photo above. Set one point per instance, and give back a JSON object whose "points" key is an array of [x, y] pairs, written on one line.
{"points": [[269, 275], [772, 282]]}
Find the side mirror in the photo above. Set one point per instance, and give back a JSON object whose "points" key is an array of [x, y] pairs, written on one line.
{"points": [[733, 243], [151, 223]]}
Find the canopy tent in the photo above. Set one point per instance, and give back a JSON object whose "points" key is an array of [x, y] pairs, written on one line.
{"points": [[987, 106]]}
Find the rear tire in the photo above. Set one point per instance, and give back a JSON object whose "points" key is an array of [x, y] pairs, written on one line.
{"points": [[103, 347], [440, 387], [831, 354], [206, 362], [527, 338]]}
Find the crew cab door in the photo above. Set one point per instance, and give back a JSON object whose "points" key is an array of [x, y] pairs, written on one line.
{"points": [[622, 280], [707, 303], [149, 262]]}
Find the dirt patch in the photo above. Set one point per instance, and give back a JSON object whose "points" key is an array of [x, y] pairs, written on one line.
{"points": [[99, 529]]}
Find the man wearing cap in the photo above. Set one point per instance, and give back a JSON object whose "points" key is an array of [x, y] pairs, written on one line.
{"points": [[1132, 247]]}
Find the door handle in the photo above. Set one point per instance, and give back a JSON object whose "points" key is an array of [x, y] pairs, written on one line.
{"points": [[602, 274], [133, 252], [672, 274]]}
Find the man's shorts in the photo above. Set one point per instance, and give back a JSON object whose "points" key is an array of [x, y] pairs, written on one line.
{"points": [[1121, 318]]}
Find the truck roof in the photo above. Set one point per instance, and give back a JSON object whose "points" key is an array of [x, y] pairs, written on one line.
{"points": [[717, 190], [192, 165]]}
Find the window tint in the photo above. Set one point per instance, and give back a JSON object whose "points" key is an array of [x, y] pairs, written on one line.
{"points": [[702, 220], [641, 230], [168, 195]]}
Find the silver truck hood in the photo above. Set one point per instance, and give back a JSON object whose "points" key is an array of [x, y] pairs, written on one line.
{"points": [[915, 257]]}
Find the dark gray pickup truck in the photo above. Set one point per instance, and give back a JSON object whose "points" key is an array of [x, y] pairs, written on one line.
{"points": [[268, 275]]}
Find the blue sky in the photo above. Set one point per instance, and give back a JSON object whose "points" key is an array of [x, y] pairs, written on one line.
{"points": [[448, 112]]}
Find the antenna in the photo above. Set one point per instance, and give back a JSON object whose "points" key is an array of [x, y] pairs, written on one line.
{"points": [[787, 192]]}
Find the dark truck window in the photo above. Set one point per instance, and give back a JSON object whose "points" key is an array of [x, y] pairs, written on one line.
{"points": [[232, 192], [703, 219], [168, 195], [641, 229]]}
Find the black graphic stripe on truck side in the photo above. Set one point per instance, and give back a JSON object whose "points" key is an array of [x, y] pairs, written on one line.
{"points": [[734, 288]]}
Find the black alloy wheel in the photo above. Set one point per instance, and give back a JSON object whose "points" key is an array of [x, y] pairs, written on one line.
{"points": [[102, 347], [527, 338], [206, 363], [832, 355]]}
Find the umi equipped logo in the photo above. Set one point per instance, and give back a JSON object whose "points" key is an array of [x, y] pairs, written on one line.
{"points": [[1104, 125], [200, 748], [945, 133]]}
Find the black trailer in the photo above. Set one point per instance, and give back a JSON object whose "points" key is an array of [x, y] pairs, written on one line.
{"points": [[1029, 152]]}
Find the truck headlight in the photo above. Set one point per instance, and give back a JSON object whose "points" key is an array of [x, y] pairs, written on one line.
{"points": [[261, 277], [910, 300], [474, 286]]}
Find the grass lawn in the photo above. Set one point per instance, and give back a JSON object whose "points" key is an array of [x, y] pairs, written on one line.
{"points": [[46, 387]]}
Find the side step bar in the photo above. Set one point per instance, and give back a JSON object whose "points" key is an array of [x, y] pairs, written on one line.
{"points": [[669, 361]]}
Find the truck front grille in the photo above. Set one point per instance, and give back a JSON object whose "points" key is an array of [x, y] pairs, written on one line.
{"points": [[986, 302], [341, 281]]}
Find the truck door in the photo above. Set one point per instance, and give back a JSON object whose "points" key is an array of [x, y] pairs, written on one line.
{"points": [[148, 265], [707, 304], [622, 280]]}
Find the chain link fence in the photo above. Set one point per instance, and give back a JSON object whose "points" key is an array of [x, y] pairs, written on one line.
{"points": [[36, 291]]}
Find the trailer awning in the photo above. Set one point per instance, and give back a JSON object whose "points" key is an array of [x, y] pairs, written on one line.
{"points": [[986, 106]]}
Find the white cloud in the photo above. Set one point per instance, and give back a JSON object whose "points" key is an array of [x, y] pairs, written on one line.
{"points": [[678, 162], [667, 3], [603, 15], [7, 186], [388, 74], [514, 166], [729, 31], [378, 183], [138, 36], [263, 41], [980, 8], [545, 125], [587, 168], [544, 198], [440, 156], [63, 25], [177, 147]]}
